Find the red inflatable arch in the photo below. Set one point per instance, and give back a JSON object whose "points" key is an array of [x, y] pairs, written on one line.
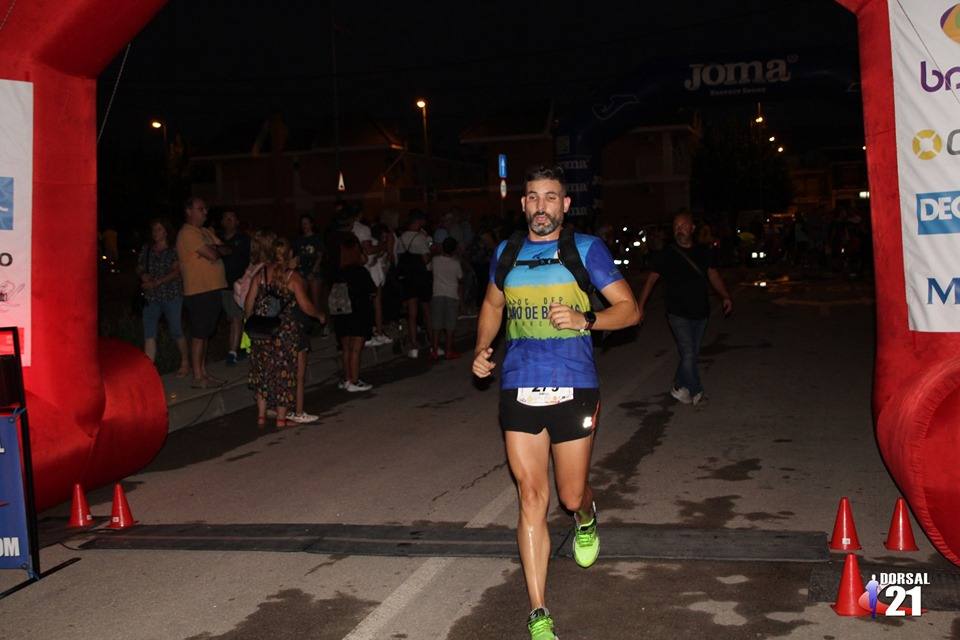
{"points": [[99, 409], [916, 394]]}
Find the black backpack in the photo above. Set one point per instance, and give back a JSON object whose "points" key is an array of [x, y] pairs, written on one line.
{"points": [[569, 257], [409, 265]]}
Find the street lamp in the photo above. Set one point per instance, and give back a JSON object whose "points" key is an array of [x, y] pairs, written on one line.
{"points": [[158, 124], [422, 105]]}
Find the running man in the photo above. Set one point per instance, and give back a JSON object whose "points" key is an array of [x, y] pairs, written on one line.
{"points": [[550, 397]]}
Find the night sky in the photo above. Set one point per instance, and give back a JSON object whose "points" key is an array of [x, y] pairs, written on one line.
{"points": [[215, 70]]}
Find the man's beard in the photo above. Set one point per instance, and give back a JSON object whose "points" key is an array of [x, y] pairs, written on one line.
{"points": [[544, 228]]}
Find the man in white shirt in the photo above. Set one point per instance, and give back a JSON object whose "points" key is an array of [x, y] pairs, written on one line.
{"points": [[373, 250], [447, 292]]}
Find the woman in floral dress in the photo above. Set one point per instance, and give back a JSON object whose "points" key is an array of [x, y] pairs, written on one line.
{"points": [[273, 360]]}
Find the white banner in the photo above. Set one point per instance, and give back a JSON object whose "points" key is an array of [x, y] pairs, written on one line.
{"points": [[16, 207], [925, 38]]}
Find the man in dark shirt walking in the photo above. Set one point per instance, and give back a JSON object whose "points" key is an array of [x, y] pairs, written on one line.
{"points": [[688, 271]]}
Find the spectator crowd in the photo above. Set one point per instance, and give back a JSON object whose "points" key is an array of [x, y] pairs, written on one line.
{"points": [[364, 281]]}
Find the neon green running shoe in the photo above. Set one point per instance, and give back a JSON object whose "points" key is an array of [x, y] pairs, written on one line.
{"points": [[540, 625], [586, 540]]}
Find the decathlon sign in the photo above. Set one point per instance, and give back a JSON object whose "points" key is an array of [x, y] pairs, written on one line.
{"points": [[927, 137], [938, 213]]}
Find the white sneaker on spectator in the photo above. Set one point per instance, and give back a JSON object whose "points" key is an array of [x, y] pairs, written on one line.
{"points": [[681, 394], [359, 386], [372, 342], [385, 339], [440, 352], [698, 398], [413, 353], [303, 418]]}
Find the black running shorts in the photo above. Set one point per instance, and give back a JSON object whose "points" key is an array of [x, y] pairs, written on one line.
{"points": [[570, 420]]}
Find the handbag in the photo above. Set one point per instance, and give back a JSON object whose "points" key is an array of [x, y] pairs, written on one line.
{"points": [[261, 326], [339, 300], [140, 297]]}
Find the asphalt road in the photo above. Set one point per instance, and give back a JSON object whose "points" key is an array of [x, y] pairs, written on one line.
{"points": [[786, 431]]}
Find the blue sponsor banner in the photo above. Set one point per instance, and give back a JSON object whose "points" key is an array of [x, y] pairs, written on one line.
{"points": [[14, 536], [580, 174], [502, 166], [6, 204], [938, 213]]}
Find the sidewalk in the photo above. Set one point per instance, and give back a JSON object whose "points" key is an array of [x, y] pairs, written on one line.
{"points": [[189, 406]]}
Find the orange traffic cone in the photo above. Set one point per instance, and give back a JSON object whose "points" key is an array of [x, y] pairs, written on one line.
{"points": [[900, 537], [120, 517], [80, 517], [844, 531], [851, 589]]}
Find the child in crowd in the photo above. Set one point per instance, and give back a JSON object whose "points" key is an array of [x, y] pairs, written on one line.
{"points": [[447, 291]]}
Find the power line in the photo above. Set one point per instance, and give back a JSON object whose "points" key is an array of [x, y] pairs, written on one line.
{"points": [[113, 94], [13, 3]]}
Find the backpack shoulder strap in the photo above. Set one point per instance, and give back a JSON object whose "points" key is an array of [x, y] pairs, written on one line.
{"points": [[688, 260], [570, 257], [508, 257]]}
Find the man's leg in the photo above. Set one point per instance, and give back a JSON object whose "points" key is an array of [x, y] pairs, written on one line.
{"points": [[571, 465], [698, 328], [203, 356], [196, 355], [686, 371], [174, 313], [236, 328], [184, 357], [529, 458]]}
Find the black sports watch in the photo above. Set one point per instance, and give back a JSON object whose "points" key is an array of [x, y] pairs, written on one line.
{"points": [[591, 318]]}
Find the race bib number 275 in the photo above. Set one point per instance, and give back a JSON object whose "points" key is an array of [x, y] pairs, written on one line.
{"points": [[543, 396]]}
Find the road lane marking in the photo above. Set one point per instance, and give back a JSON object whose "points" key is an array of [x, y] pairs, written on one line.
{"points": [[371, 627]]}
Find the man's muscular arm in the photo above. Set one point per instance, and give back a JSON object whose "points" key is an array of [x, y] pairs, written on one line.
{"points": [[488, 325]]}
